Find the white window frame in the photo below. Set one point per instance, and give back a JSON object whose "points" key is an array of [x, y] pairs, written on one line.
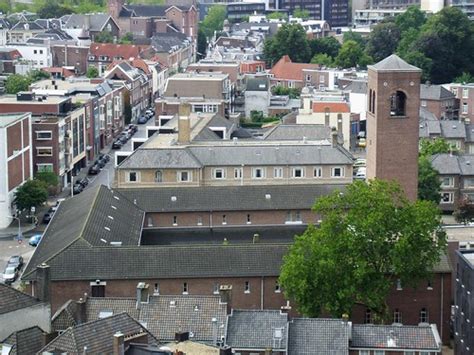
{"points": [[308, 77], [247, 287], [423, 103], [38, 149], [179, 176], [450, 198], [278, 172], [156, 289], [40, 167], [317, 172], [277, 287], [450, 181], [185, 288], [322, 79], [44, 139], [216, 289], [425, 318], [238, 173], [295, 169], [222, 172], [254, 173], [159, 173], [333, 170], [465, 93], [175, 220], [465, 107], [137, 176], [397, 317]]}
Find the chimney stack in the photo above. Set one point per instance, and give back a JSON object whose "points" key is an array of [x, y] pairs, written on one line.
{"points": [[142, 294], [225, 293], [81, 309], [286, 308], [334, 137], [184, 124], [43, 280], [118, 346]]}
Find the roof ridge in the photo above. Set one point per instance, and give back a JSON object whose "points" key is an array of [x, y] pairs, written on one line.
{"points": [[89, 212]]}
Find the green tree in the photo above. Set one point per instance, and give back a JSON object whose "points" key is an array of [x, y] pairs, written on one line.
{"points": [[354, 36], [50, 180], [352, 55], [276, 15], [323, 59], [5, 6], [289, 40], [36, 75], [104, 37], [429, 185], [51, 9], [429, 147], [92, 72], [201, 44], [16, 83], [383, 40], [214, 20], [464, 78], [293, 93], [127, 38], [326, 45], [370, 234], [89, 7], [412, 18], [32, 193], [301, 13], [464, 212]]}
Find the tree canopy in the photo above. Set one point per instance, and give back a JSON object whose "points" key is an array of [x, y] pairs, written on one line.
{"points": [[92, 72], [301, 13], [325, 45], [32, 193], [464, 212], [104, 37], [429, 147], [383, 40], [289, 40], [369, 236], [214, 20], [277, 15], [201, 44], [429, 184], [352, 55], [16, 83]]}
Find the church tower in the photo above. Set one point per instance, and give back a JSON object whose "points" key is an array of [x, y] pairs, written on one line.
{"points": [[392, 123]]}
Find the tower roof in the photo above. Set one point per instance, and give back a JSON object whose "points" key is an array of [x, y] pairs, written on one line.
{"points": [[393, 63]]}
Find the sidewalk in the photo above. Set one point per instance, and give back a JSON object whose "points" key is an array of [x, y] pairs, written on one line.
{"points": [[11, 232]]}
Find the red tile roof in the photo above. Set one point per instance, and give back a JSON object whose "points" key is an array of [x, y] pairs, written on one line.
{"points": [[332, 106], [136, 63], [110, 50], [287, 70]]}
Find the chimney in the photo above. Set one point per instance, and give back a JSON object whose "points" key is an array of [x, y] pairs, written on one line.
{"points": [[43, 279], [334, 137], [118, 346], [181, 336], [225, 350], [142, 294], [225, 293], [87, 22], [286, 308], [81, 310], [184, 125]]}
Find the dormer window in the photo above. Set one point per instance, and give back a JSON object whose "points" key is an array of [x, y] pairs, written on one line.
{"points": [[398, 104]]}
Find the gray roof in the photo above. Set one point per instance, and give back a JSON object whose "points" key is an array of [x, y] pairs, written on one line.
{"points": [[421, 338], [140, 10], [12, 299], [96, 21], [357, 87], [453, 129], [65, 316], [96, 217], [451, 164], [25, 341], [179, 158], [469, 133], [164, 42], [329, 336], [256, 329], [258, 84], [114, 305], [206, 134], [298, 132], [435, 92], [393, 63], [26, 26], [97, 335], [228, 198]]}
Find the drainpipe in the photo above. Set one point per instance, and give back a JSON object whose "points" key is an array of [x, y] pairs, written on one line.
{"points": [[442, 306], [261, 293]]}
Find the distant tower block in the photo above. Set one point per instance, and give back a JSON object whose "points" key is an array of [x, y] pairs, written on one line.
{"points": [[392, 123]]}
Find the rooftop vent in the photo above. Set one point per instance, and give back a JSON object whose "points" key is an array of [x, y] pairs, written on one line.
{"points": [[103, 240], [117, 198], [174, 198], [116, 244], [113, 207], [110, 217], [172, 303], [107, 229], [268, 197], [196, 308]]}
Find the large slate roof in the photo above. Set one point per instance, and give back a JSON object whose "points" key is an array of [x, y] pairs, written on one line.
{"points": [[329, 336], [228, 198], [96, 217], [393, 63], [452, 164], [96, 21], [435, 92], [25, 341], [164, 42], [421, 338], [257, 329], [298, 132], [12, 299], [97, 335], [179, 158]]}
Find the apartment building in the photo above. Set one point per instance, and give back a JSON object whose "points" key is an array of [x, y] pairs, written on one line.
{"points": [[16, 160], [205, 92], [465, 95], [58, 132], [439, 101]]}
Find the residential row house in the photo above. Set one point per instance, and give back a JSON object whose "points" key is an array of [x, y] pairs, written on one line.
{"points": [[16, 154], [441, 102], [173, 49], [465, 96], [148, 20]]}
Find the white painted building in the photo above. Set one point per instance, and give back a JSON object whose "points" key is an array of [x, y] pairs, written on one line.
{"points": [[35, 56], [16, 160]]}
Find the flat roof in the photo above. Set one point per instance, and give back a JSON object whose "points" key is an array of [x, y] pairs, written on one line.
{"points": [[199, 76], [11, 99], [6, 119]]}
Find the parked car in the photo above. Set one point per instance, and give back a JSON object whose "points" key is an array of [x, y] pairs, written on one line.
{"points": [[361, 174], [100, 163], [104, 157], [10, 274], [34, 240], [133, 127], [47, 217], [360, 162], [77, 189], [16, 261], [83, 182], [362, 143], [117, 144], [94, 170], [142, 120]]}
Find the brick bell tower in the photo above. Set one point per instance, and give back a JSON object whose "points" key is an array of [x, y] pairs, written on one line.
{"points": [[392, 123]]}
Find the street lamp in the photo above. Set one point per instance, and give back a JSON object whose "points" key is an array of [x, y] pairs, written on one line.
{"points": [[20, 235]]}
